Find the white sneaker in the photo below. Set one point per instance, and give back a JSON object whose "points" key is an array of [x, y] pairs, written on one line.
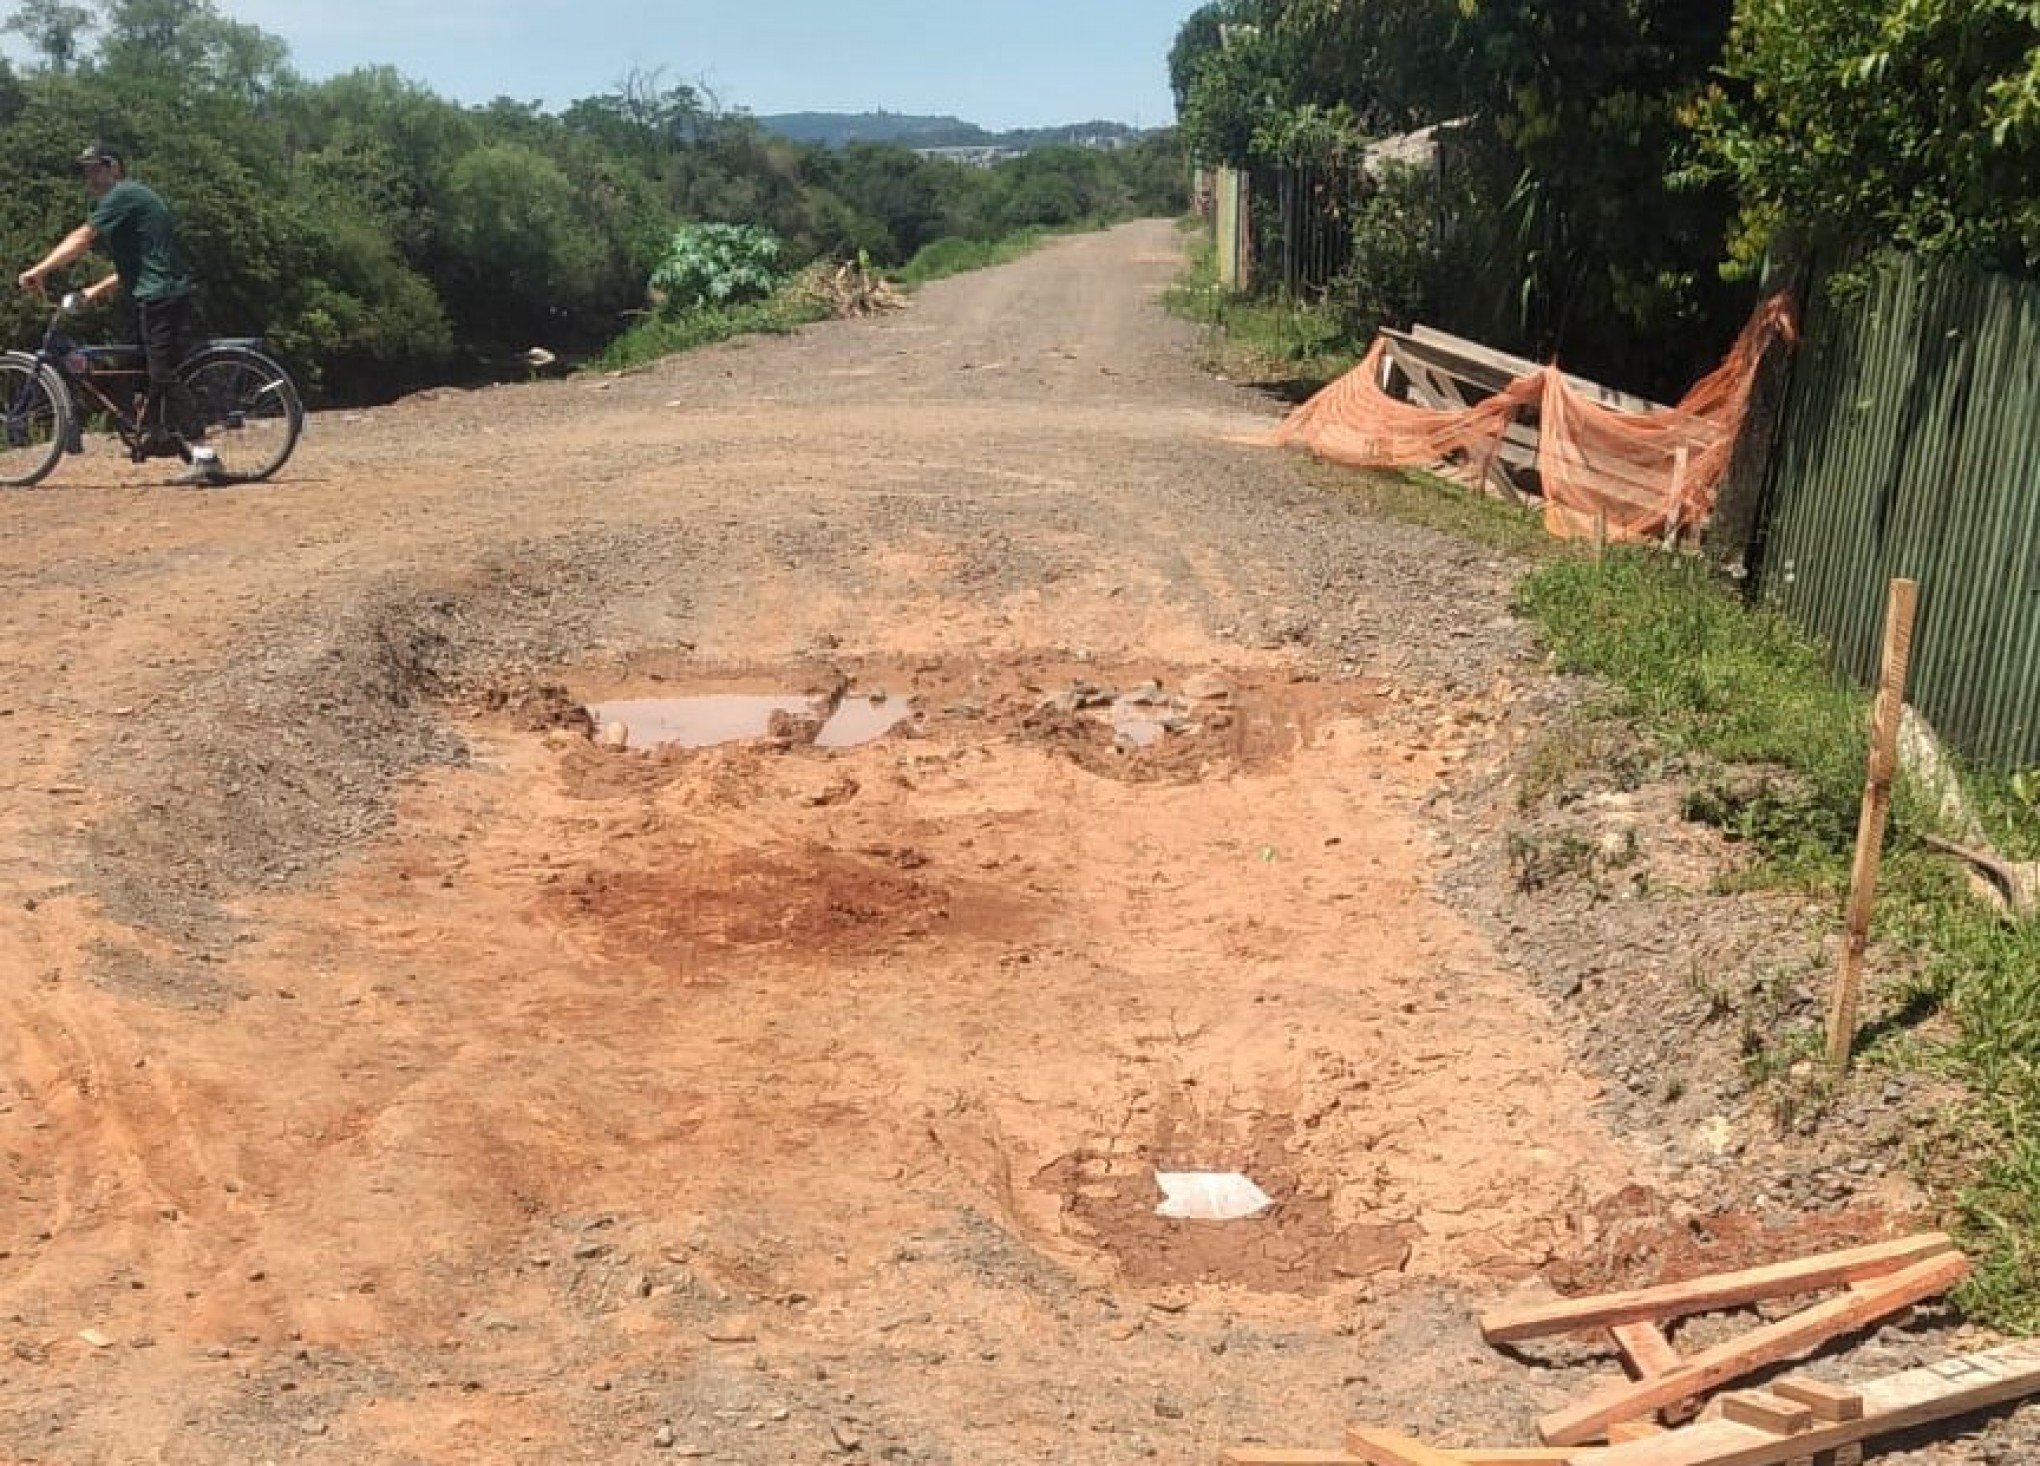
{"points": [[205, 469]]}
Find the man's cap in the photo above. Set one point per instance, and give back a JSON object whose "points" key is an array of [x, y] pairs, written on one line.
{"points": [[98, 153]]}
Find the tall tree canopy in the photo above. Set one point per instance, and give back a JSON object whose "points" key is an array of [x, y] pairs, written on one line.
{"points": [[1859, 123]]}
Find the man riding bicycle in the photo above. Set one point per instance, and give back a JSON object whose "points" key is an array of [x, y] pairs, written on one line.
{"points": [[137, 230]]}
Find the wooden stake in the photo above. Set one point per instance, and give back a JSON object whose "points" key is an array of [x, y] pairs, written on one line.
{"points": [[1487, 463], [1675, 515], [1899, 612]]}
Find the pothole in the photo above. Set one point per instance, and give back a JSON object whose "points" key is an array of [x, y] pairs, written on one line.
{"points": [[711, 720], [1153, 723], [1298, 1246]]}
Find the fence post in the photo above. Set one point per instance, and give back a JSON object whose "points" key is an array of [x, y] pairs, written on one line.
{"points": [[1899, 611]]}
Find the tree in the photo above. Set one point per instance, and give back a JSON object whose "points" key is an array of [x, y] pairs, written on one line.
{"points": [[1197, 41], [1239, 88], [188, 43], [1860, 123], [898, 190], [642, 116], [1569, 118], [54, 30], [523, 257]]}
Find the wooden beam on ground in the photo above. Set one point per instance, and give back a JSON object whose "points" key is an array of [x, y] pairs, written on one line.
{"points": [[1633, 1430], [1712, 1294], [1826, 1401], [1768, 1344], [1492, 370], [1894, 1403], [1766, 1411], [1376, 1447], [1646, 1348], [1391, 1448]]}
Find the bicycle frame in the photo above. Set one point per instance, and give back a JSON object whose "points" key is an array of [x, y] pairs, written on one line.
{"points": [[100, 377]]}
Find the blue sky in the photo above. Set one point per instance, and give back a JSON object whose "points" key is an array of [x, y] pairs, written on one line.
{"points": [[1000, 63]]}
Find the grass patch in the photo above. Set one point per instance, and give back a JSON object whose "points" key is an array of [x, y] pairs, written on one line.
{"points": [[1704, 675], [957, 256], [1416, 497], [663, 335], [1293, 347], [1742, 693]]}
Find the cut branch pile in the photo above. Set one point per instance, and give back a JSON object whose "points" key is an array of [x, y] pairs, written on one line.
{"points": [[851, 290], [1792, 1422]]}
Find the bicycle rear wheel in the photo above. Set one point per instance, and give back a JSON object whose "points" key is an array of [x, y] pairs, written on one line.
{"points": [[35, 418], [249, 407]]}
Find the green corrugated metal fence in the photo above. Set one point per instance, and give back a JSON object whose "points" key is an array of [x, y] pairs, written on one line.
{"points": [[1911, 446]]}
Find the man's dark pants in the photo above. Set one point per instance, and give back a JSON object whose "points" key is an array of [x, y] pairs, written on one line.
{"points": [[169, 412]]}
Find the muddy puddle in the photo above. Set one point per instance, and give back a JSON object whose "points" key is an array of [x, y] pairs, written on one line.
{"points": [[711, 720]]}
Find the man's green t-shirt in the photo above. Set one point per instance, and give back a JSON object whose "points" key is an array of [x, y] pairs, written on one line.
{"points": [[135, 226]]}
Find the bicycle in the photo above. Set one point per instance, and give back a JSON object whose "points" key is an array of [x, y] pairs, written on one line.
{"points": [[246, 400]]}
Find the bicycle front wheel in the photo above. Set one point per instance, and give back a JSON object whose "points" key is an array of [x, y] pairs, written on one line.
{"points": [[249, 407], [37, 418]]}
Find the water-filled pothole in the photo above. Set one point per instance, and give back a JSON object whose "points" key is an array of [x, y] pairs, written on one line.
{"points": [[711, 719]]}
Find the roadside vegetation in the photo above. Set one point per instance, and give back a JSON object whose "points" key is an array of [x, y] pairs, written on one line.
{"points": [[1775, 745], [1290, 348], [385, 238], [1612, 178], [956, 256]]}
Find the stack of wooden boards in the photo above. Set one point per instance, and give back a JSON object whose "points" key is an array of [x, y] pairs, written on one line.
{"points": [[1448, 373], [1791, 1422]]}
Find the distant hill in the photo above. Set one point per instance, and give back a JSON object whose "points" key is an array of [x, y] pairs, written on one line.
{"points": [[838, 129]]}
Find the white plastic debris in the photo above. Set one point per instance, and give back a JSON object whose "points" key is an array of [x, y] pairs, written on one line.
{"points": [[1209, 1196]]}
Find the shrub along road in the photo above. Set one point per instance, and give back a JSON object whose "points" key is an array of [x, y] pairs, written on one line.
{"points": [[395, 1075]]}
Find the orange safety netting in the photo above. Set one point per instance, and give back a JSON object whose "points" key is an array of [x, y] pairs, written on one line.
{"points": [[1642, 475]]}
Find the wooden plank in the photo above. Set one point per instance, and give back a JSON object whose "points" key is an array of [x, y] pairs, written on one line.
{"points": [[1894, 1403], [1486, 362], [1826, 1401], [1420, 381], [1766, 1411], [1391, 1448], [1711, 1294], [1384, 1446], [1711, 1368], [1633, 1430], [1646, 1348]]}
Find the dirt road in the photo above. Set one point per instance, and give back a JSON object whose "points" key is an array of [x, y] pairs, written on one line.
{"points": [[393, 1075]]}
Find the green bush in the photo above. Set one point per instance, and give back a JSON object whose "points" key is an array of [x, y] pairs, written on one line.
{"points": [[716, 265]]}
